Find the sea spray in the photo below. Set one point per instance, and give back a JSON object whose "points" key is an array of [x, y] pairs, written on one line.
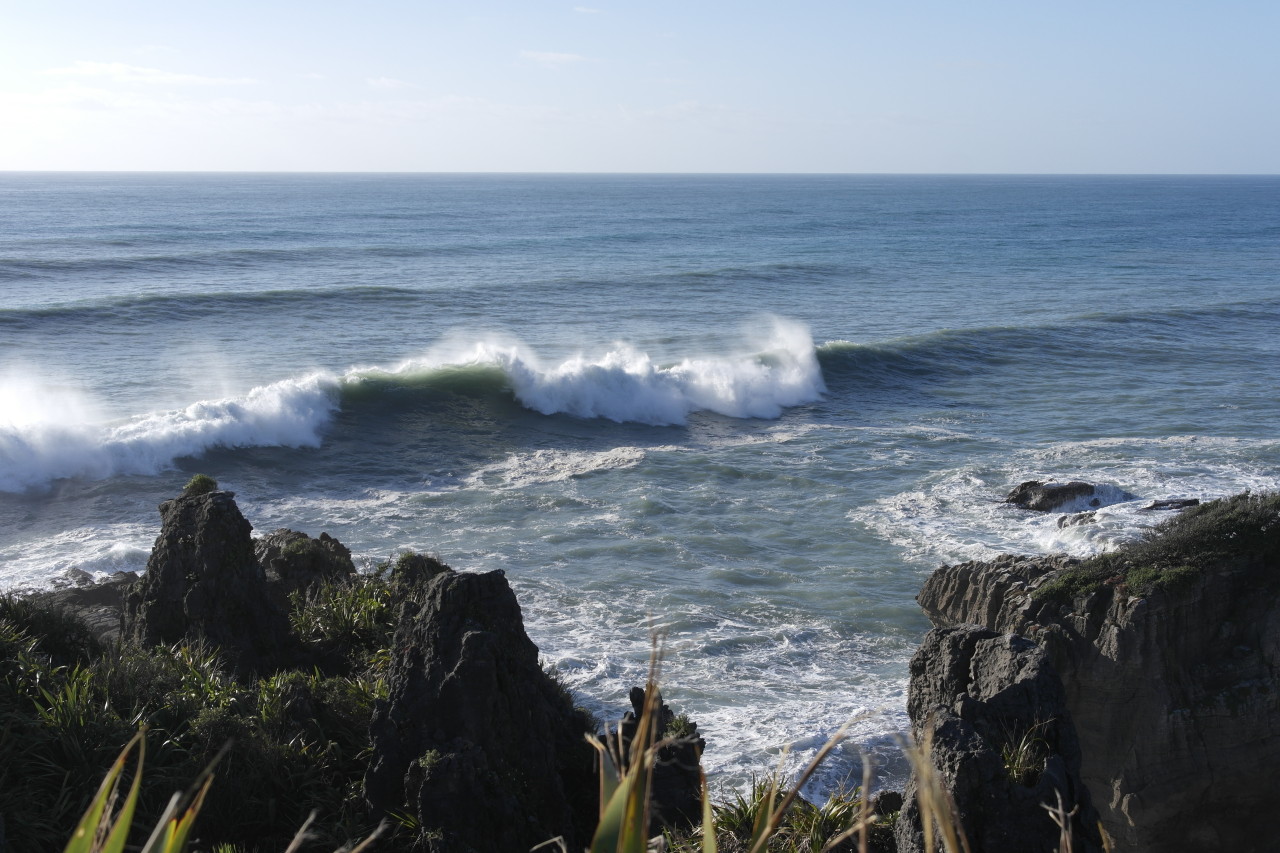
{"points": [[38, 450], [49, 437], [626, 385]]}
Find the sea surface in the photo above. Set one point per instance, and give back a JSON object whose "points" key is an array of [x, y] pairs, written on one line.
{"points": [[751, 413]]}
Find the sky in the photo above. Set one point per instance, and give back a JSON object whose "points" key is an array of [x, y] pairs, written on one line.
{"points": [[656, 86]]}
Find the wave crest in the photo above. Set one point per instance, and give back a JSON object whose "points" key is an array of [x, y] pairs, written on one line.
{"points": [[46, 437]]}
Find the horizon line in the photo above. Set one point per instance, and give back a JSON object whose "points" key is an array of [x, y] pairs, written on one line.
{"points": [[654, 173]]}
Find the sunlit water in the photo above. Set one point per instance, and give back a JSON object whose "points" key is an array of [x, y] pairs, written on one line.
{"points": [[750, 412]]}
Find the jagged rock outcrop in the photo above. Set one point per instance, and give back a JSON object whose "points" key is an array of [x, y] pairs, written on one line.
{"points": [[476, 741], [675, 791], [294, 561], [992, 710], [203, 583], [1175, 692]]}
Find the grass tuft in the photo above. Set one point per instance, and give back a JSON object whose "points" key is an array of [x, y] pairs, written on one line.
{"points": [[200, 484]]}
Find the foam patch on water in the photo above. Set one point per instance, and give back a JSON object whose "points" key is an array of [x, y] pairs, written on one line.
{"points": [[520, 470], [960, 514], [757, 681], [99, 551]]}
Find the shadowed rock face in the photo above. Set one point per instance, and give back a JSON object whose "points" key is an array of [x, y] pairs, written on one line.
{"points": [[293, 561], [475, 740], [1043, 497], [203, 583], [675, 794], [978, 698], [1176, 694]]}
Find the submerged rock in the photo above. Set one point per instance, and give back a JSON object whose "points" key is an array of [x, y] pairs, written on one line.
{"points": [[203, 583], [1172, 504], [476, 741], [992, 710], [1043, 497]]}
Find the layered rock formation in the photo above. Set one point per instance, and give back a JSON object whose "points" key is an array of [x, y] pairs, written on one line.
{"points": [[1175, 689], [203, 583], [993, 712], [293, 561], [475, 741]]}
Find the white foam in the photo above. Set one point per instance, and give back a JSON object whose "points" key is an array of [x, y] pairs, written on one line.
{"points": [[627, 385], [51, 431], [100, 551], [40, 442], [959, 514], [519, 470]]}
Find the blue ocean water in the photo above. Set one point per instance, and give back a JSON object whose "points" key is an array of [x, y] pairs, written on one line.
{"points": [[750, 411]]}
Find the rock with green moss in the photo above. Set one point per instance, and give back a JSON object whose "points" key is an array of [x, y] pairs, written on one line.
{"points": [[1169, 649], [294, 562]]}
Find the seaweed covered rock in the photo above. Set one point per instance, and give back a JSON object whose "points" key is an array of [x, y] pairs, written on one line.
{"points": [[476, 741], [1169, 652], [992, 709], [203, 583], [675, 792], [294, 561]]}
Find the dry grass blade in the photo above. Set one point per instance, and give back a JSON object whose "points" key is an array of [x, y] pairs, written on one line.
{"points": [[776, 815], [938, 812]]}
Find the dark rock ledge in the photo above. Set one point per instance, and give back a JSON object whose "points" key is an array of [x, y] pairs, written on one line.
{"points": [[1169, 657]]}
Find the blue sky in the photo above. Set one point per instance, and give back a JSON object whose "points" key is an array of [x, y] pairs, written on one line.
{"points": [[1127, 87]]}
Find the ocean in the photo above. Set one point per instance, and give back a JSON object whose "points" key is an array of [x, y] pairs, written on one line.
{"points": [[748, 413]]}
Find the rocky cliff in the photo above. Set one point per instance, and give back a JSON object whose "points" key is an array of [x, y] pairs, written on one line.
{"points": [[475, 741], [203, 583], [1169, 653], [992, 711]]}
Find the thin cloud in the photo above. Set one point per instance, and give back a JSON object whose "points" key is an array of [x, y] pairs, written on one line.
{"points": [[551, 60], [123, 73], [387, 83]]}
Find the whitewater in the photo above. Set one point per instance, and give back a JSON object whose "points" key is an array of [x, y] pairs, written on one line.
{"points": [[749, 412]]}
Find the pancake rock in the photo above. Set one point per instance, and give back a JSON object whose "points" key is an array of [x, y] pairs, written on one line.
{"points": [[992, 709], [203, 583], [1175, 688], [294, 561], [476, 741]]}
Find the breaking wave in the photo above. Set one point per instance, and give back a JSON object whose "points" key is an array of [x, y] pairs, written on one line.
{"points": [[49, 432]]}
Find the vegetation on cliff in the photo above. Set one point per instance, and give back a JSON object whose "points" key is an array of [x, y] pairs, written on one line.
{"points": [[299, 737], [1173, 554]]}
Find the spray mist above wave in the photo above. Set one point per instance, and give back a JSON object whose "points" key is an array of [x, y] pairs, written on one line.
{"points": [[626, 385], [50, 432]]}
